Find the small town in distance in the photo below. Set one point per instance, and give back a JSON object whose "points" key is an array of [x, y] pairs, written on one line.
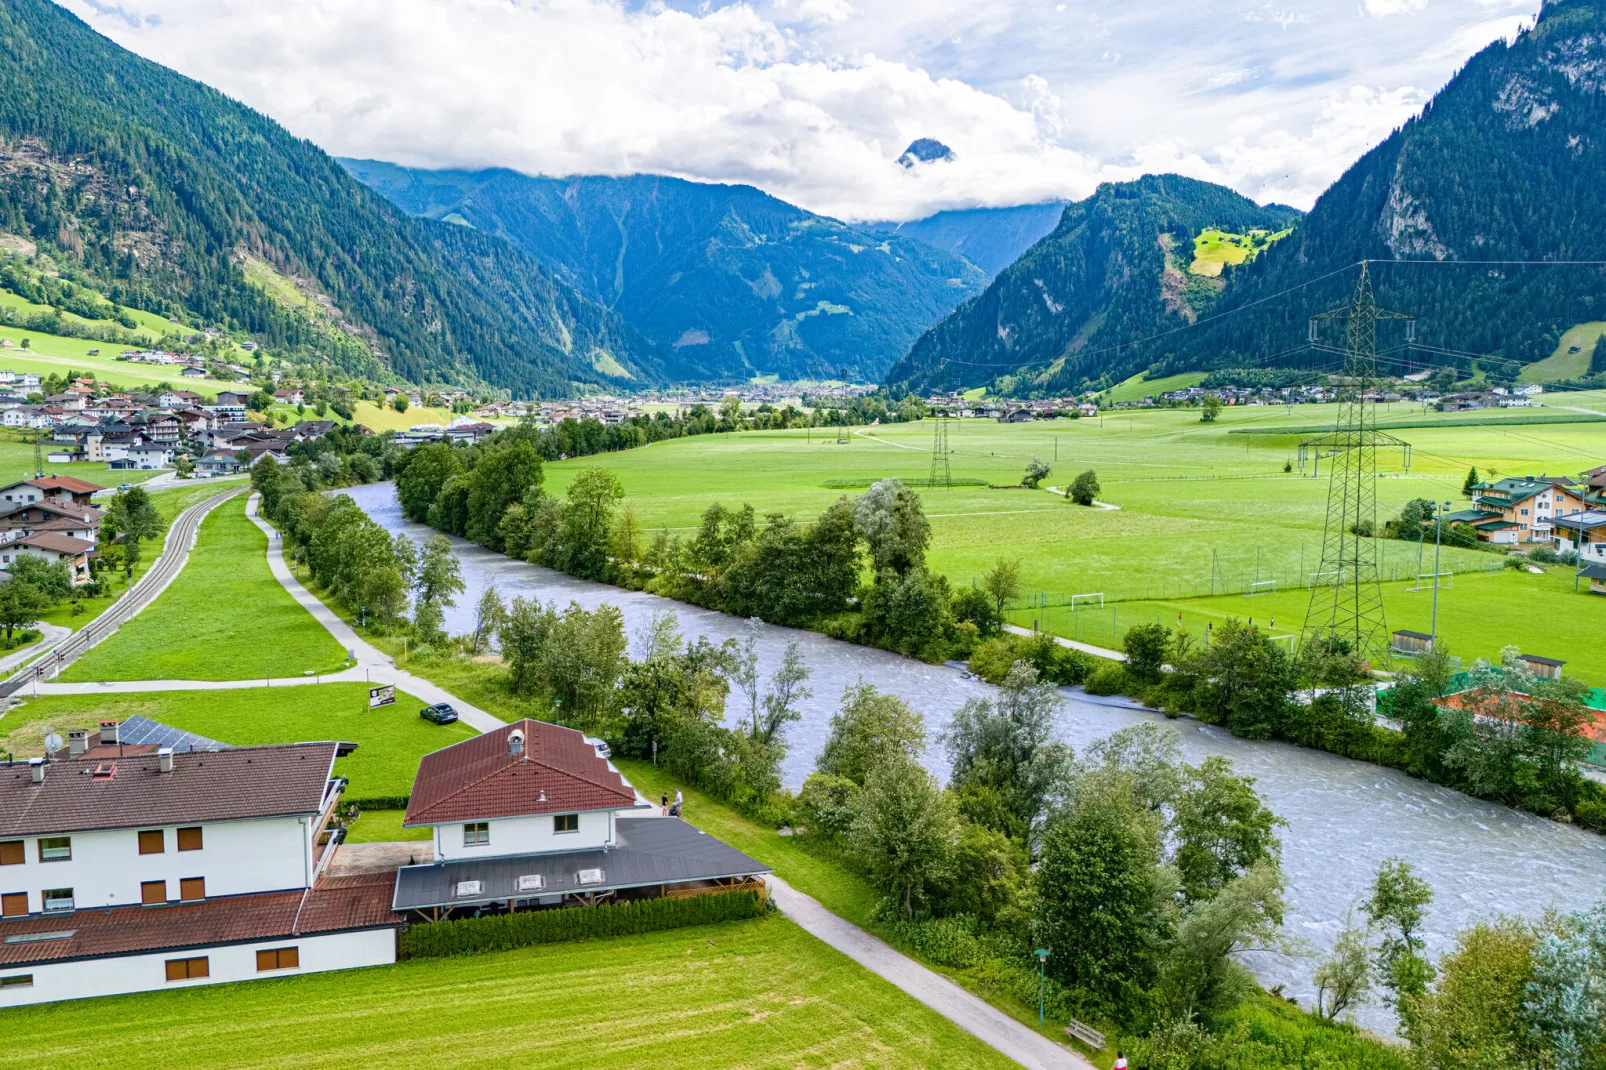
{"points": [[876, 544]]}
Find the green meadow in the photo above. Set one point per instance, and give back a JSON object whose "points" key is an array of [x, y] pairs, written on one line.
{"points": [[1201, 512], [759, 993]]}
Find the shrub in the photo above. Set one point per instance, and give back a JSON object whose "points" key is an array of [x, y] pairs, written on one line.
{"points": [[1108, 679], [944, 941], [504, 932], [377, 802], [992, 658]]}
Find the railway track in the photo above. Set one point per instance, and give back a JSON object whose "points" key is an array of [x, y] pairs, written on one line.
{"points": [[175, 553]]}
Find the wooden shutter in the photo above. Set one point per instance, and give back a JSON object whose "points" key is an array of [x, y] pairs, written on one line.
{"points": [[189, 839], [278, 958], [289, 958], [13, 903], [188, 969], [191, 888], [12, 853], [200, 967], [153, 893], [151, 842]]}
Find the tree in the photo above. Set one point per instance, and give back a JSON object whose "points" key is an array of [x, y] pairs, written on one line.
{"points": [[1344, 978], [1474, 1018], [868, 727], [504, 475], [1469, 483], [905, 832], [624, 545], [1010, 748], [400, 403], [1036, 472], [1244, 680], [744, 669], [1212, 409], [51, 580], [1566, 1001], [429, 623], [1199, 974], [786, 691], [428, 469], [489, 614], [892, 522], [1397, 907], [131, 515], [1147, 647], [1002, 581], [1221, 828], [1099, 906], [21, 603], [1084, 488], [588, 521], [1597, 356], [439, 575], [730, 408]]}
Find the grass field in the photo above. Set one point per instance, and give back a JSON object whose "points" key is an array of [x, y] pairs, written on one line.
{"points": [[758, 993], [1564, 363], [224, 618], [384, 418], [56, 353], [383, 826], [390, 740], [1213, 249], [1137, 387], [1200, 509]]}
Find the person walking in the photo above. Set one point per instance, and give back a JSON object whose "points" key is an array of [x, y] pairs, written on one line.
{"points": [[1120, 1061]]}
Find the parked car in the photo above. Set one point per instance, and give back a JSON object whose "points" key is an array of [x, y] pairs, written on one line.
{"points": [[125, 486], [440, 713]]}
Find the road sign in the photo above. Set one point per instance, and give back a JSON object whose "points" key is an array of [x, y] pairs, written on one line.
{"points": [[384, 695]]}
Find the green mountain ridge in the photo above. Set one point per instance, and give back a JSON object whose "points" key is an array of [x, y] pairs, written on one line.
{"points": [[1115, 268], [731, 281], [157, 189]]}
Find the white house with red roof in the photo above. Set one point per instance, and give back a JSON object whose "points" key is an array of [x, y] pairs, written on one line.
{"points": [[534, 815]]}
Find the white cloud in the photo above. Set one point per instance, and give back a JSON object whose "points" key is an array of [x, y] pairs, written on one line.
{"points": [[813, 100], [1382, 8]]}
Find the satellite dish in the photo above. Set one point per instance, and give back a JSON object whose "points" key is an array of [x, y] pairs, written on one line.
{"points": [[52, 743]]}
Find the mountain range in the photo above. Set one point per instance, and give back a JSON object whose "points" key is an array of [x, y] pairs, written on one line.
{"points": [[730, 281], [1466, 213], [990, 238]]}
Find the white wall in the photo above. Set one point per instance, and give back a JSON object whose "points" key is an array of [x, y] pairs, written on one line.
{"points": [[106, 869], [143, 973], [525, 836]]}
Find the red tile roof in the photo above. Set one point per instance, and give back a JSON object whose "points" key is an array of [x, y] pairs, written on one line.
{"points": [[67, 483], [55, 542], [480, 778], [337, 904], [243, 782]]}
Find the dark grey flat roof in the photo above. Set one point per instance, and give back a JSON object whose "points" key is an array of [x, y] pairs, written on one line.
{"points": [[650, 850]]}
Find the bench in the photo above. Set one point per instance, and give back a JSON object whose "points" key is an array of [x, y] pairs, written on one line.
{"points": [[1086, 1034]]}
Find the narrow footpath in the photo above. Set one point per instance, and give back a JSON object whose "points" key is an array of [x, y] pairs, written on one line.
{"points": [[1086, 648], [971, 1013]]}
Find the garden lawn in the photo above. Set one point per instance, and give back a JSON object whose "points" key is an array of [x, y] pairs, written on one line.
{"points": [[224, 618], [759, 993], [390, 740], [383, 826]]}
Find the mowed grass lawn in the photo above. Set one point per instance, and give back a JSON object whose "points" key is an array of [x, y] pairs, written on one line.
{"points": [[1200, 508], [759, 993], [224, 618], [390, 740]]}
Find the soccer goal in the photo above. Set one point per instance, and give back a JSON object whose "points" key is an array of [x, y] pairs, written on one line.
{"points": [[1260, 587], [1424, 581], [1289, 639], [1324, 579], [1075, 598]]}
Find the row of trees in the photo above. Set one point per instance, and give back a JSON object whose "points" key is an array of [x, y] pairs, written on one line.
{"points": [[1499, 733]]}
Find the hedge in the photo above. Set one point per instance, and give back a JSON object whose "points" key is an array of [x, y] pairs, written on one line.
{"points": [[504, 932], [377, 802]]}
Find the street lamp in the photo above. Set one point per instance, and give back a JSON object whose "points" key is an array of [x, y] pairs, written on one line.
{"points": [[1438, 541], [1042, 974]]}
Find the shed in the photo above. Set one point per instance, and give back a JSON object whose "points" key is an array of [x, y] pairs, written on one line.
{"points": [[1544, 668], [1411, 643]]}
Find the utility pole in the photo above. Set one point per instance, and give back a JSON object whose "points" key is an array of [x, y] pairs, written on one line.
{"points": [[1438, 539]]}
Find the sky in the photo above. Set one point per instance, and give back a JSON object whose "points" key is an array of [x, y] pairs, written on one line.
{"points": [[814, 100]]}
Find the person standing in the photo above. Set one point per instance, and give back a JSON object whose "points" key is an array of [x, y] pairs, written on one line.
{"points": [[664, 812], [1120, 1062], [678, 804]]}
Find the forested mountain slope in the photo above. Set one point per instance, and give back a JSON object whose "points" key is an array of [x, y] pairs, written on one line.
{"points": [[990, 238], [1115, 268], [168, 195], [731, 280], [1503, 165]]}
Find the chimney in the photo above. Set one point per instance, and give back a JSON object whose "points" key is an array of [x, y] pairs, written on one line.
{"points": [[515, 742], [36, 767], [108, 732], [164, 758], [77, 741]]}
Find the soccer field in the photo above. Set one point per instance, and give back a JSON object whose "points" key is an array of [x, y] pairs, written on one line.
{"points": [[1201, 511]]}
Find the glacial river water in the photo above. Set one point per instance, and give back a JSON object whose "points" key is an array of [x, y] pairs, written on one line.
{"points": [[1344, 817]]}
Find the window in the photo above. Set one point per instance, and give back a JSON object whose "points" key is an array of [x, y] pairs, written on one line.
{"points": [[151, 843], [55, 848], [191, 888], [278, 958], [12, 853], [566, 823], [189, 839], [13, 904], [153, 893], [188, 969], [57, 898], [17, 980], [476, 832]]}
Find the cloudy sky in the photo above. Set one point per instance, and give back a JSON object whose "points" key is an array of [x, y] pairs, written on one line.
{"points": [[813, 100]]}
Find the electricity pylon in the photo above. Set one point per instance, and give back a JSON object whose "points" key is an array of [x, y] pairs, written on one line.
{"points": [[1348, 613], [940, 476]]}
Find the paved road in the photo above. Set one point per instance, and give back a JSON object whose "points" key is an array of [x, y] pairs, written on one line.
{"points": [[970, 1013], [1086, 648], [175, 553]]}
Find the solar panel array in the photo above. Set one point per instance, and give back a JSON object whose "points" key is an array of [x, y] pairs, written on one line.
{"points": [[136, 731]]}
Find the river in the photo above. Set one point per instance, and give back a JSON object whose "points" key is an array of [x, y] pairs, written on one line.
{"points": [[1344, 817]]}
